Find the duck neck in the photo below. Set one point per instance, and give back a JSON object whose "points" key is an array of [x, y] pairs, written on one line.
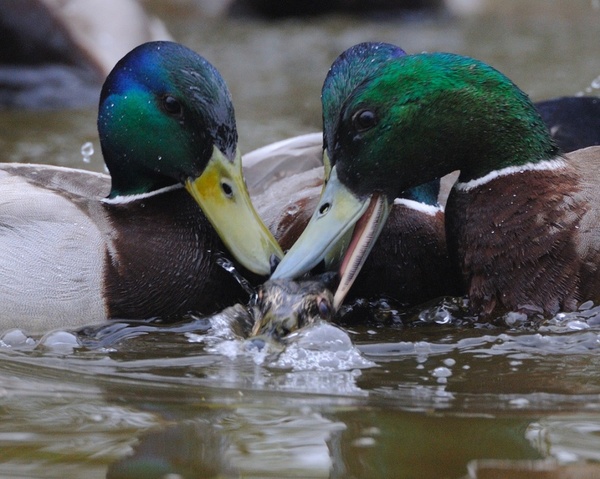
{"points": [[127, 180], [507, 132]]}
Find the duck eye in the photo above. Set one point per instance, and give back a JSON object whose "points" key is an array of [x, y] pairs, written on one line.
{"points": [[171, 105], [324, 309], [364, 120]]}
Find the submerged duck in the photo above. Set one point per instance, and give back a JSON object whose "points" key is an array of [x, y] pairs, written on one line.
{"points": [[79, 247], [280, 307], [521, 221]]}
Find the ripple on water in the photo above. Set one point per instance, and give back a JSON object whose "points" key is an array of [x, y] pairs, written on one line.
{"points": [[567, 333], [434, 362]]}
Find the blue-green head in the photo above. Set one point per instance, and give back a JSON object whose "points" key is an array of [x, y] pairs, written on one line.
{"points": [[166, 118], [163, 109], [422, 116], [348, 71]]}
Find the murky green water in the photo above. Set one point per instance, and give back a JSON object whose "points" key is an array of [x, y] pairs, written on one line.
{"points": [[428, 401]]}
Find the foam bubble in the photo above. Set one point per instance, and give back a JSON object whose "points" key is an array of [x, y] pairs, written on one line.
{"points": [[322, 347]]}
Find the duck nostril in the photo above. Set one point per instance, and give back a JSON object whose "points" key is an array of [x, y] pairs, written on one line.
{"points": [[227, 189]]}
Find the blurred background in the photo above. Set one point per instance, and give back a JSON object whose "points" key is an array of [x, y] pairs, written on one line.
{"points": [[273, 54]]}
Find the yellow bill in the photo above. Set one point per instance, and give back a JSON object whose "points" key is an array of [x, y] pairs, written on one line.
{"points": [[221, 193]]}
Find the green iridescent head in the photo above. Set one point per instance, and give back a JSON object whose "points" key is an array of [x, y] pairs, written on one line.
{"points": [[166, 118], [162, 110], [347, 72], [422, 116]]}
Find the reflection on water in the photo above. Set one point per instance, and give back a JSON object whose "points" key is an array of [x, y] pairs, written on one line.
{"points": [[436, 397], [144, 400]]}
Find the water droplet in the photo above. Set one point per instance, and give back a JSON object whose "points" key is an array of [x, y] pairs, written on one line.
{"points": [[596, 83], [364, 442], [449, 362], [59, 342], [443, 317], [292, 210], [441, 372], [87, 150], [230, 268]]}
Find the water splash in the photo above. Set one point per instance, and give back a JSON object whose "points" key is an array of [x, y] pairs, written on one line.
{"points": [[228, 266], [322, 347], [87, 150], [16, 338]]}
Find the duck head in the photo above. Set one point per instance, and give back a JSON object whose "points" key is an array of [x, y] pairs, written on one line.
{"points": [[166, 120], [409, 121], [281, 307]]}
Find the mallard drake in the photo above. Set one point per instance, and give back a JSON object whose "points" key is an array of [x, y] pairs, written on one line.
{"points": [[295, 168], [414, 234], [520, 221], [80, 247], [287, 196]]}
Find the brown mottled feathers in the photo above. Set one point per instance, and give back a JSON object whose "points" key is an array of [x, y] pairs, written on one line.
{"points": [[529, 241]]}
